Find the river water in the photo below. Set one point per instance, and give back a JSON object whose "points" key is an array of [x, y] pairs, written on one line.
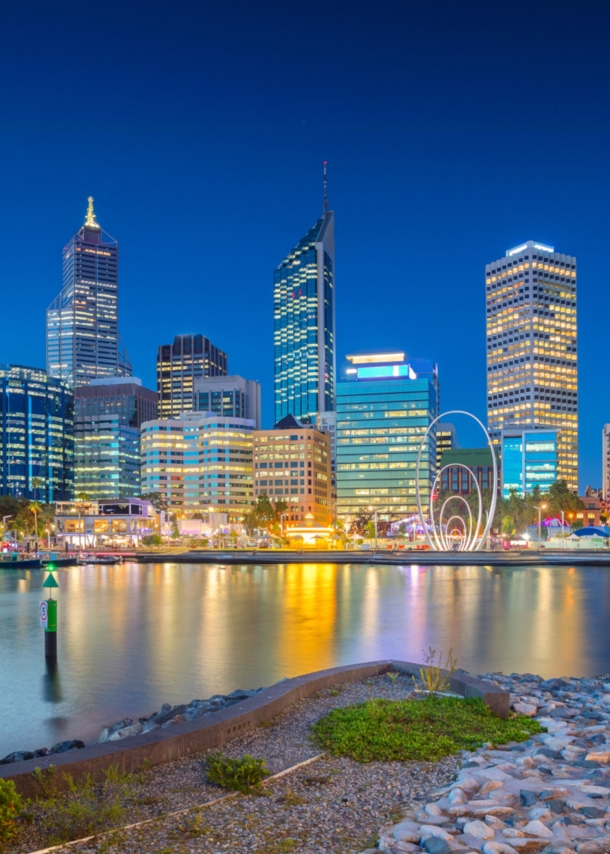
{"points": [[132, 637]]}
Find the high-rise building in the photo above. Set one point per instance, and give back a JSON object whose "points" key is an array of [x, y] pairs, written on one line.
{"points": [[229, 395], [304, 326], [36, 435], [292, 464], [107, 419], [327, 423], [532, 365], [83, 340], [179, 365], [445, 440], [384, 407], [606, 461], [530, 459], [201, 462]]}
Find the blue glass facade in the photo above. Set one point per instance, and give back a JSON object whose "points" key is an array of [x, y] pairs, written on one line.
{"points": [[529, 459], [304, 326], [380, 425], [36, 435]]}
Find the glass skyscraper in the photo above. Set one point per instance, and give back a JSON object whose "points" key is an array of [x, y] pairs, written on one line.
{"points": [[189, 358], [36, 435], [384, 407], [83, 321], [532, 362], [529, 460], [107, 419], [304, 326]]}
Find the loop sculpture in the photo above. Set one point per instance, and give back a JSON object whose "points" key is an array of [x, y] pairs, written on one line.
{"points": [[471, 539]]}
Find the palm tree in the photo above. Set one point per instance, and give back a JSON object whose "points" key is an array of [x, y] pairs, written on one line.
{"points": [[36, 484], [35, 507]]}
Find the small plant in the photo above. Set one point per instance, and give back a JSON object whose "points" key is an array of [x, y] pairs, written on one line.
{"points": [[435, 675], [393, 676], [334, 692], [11, 806], [291, 799], [113, 775], [46, 780], [241, 775]]}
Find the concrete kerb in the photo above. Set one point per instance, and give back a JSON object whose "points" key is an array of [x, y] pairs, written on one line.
{"points": [[160, 746]]}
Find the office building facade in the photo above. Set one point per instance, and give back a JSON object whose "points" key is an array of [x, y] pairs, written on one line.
{"points": [[83, 340], [530, 459], [107, 420], [445, 440], [201, 462], [229, 395], [384, 407], [532, 357], [304, 326], [461, 467], [179, 365], [292, 464], [36, 435]]}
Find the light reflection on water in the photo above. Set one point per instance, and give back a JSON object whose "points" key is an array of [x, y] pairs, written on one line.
{"points": [[134, 636]]}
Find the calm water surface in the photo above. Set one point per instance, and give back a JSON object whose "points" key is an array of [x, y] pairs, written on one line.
{"points": [[134, 636]]}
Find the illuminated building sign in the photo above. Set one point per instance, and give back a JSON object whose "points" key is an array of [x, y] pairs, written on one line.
{"points": [[386, 372]]}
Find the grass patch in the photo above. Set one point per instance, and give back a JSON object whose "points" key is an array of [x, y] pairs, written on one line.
{"points": [[240, 775], [422, 730]]}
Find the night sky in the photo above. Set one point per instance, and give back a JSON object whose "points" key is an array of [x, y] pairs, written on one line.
{"points": [[453, 131]]}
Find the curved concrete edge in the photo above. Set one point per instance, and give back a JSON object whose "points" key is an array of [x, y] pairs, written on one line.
{"points": [[164, 745]]}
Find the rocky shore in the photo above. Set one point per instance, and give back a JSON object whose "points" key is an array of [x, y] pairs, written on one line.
{"points": [[165, 717], [550, 794]]}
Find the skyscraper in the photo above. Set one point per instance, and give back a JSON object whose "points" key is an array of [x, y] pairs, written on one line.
{"points": [[83, 321], [179, 365], [36, 435], [233, 396], [304, 325], [532, 365], [107, 419]]}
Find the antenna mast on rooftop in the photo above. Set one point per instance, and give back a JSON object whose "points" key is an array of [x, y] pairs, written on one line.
{"points": [[325, 190]]}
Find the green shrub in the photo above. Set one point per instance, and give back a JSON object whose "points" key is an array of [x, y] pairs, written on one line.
{"points": [[241, 775], [10, 809], [423, 730], [88, 808]]}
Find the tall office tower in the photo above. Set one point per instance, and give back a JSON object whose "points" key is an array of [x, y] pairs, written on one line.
{"points": [[179, 365], [606, 461], [36, 435], [304, 326], [532, 366], [233, 396], [107, 418], [83, 341], [384, 407]]}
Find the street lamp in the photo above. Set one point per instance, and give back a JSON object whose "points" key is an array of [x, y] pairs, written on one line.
{"points": [[540, 508], [282, 517], [371, 508]]}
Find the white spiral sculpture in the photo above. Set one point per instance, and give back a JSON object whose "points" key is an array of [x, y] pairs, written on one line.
{"points": [[469, 540]]}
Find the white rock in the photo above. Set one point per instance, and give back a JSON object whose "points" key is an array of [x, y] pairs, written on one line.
{"points": [[427, 830], [540, 813], [494, 774], [479, 830], [537, 828], [490, 786], [134, 729], [498, 848], [457, 796], [407, 830], [512, 832], [524, 709], [433, 809]]}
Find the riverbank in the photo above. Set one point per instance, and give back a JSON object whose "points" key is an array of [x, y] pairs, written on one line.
{"points": [[549, 794], [400, 557]]}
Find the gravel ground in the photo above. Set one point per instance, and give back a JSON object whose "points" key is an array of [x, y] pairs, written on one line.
{"points": [[330, 805]]}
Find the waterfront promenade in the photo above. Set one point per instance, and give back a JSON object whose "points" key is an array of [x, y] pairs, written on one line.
{"points": [[383, 556]]}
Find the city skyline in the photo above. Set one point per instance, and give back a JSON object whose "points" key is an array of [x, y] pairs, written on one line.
{"points": [[206, 186]]}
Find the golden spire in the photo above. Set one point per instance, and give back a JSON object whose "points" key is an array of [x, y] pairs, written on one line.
{"points": [[90, 218]]}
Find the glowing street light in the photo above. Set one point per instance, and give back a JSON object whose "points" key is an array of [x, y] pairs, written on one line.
{"points": [[540, 508]]}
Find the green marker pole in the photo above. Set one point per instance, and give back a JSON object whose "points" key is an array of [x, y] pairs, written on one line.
{"points": [[50, 631]]}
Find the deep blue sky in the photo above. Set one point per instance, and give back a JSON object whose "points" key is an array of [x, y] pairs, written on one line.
{"points": [[453, 131]]}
